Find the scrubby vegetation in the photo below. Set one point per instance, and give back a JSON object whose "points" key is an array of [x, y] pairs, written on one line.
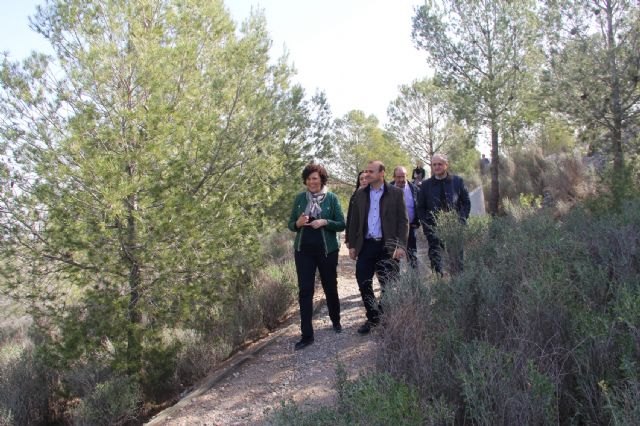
{"points": [[541, 327], [90, 391], [376, 399]]}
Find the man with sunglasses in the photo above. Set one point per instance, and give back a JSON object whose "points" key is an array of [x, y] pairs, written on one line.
{"points": [[378, 231], [442, 192]]}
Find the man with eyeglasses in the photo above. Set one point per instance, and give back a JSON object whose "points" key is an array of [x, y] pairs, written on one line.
{"points": [[442, 192], [378, 231]]}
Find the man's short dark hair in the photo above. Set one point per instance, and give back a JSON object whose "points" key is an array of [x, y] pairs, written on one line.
{"points": [[312, 168]]}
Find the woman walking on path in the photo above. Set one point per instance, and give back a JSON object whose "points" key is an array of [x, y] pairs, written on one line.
{"points": [[316, 217]]}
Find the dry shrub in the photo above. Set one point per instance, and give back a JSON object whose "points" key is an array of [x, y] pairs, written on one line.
{"points": [[561, 178], [276, 247], [417, 348], [256, 305], [275, 292], [198, 356], [568, 179], [541, 327], [113, 402], [86, 373], [409, 316], [239, 321], [24, 386]]}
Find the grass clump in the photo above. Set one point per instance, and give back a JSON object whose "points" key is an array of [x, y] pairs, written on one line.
{"points": [[375, 399]]}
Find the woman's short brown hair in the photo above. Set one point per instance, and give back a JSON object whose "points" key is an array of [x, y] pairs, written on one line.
{"points": [[312, 168]]}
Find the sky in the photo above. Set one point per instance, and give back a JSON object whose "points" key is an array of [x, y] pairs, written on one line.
{"points": [[357, 51]]}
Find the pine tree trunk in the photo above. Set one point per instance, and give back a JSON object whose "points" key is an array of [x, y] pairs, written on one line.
{"points": [[494, 197], [616, 103], [134, 350]]}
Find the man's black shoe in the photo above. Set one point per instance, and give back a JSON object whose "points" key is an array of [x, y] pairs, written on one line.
{"points": [[366, 327], [303, 343], [337, 328]]}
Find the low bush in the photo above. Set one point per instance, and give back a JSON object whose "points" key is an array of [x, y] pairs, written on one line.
{"points": [[277, 247], [557, 179], [375, 399], [198, 355], [541, 326], [276, 287], [24, 386], [113, 402]]}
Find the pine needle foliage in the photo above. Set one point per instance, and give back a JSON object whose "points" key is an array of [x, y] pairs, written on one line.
{"points": [[139, 167]]}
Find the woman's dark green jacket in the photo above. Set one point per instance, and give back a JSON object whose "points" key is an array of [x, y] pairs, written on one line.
{"points": [[331, 211]]}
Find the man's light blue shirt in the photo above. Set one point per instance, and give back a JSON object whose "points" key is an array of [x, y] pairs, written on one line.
{"points": [[409, 202], [374, 225]]}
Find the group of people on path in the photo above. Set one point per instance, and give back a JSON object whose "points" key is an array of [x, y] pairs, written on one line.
{"points": [[382, 221]]}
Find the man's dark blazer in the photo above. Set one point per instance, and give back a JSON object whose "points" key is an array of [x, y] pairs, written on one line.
{"points": [[414, 191], [393, 217]]}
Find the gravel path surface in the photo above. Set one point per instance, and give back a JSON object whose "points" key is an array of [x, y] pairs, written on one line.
{"points": [[254, 382]]}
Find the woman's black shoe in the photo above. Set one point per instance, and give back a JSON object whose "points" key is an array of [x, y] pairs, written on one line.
{"points": [[337, 328], [303, 343]]}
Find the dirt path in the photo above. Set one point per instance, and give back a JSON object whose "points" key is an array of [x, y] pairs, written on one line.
{"points": [[254, 382]]}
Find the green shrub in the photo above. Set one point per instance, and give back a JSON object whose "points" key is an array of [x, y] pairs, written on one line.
{"points": [[375, 399], [541, 320], [290, 414], [622, 402], [159, 360], [379, 399], [114, 402]]}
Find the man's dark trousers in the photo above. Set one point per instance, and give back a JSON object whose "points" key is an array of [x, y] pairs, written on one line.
{"points": [[435, 249], [306, 264], [374, 258], [412, 248]]}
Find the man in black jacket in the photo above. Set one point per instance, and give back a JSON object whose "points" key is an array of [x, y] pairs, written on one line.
{"points": [[378, 230], [442, 192]]}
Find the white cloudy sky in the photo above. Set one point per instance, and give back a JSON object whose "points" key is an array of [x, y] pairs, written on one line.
{"points": [[357, 51]]}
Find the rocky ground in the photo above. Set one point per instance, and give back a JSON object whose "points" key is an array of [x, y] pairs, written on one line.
{"points": [[248, 387]]}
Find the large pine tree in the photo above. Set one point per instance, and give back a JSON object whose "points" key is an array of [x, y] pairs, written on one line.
{"points": [[138, 162]]}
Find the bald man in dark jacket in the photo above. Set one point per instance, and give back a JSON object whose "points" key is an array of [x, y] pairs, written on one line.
{"points": [[378, 232], [442, 192]]}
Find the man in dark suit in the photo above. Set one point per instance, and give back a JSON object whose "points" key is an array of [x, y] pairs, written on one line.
{"points": [[411, 201], [378, 232], [442, 192]]}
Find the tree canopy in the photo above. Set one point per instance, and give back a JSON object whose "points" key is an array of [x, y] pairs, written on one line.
{"points": [[141, 160], [480, 49]]}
